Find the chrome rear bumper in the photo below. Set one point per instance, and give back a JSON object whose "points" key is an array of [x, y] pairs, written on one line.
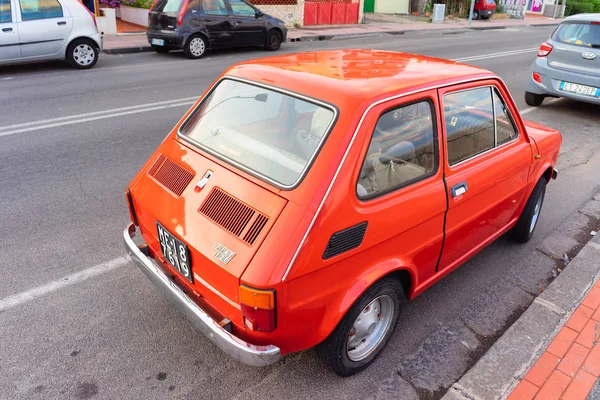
{"points": [[258, 356]]}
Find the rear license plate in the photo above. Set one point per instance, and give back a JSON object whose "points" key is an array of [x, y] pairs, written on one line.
{"points": [[158, 42], [175, 252], [580, 89]]}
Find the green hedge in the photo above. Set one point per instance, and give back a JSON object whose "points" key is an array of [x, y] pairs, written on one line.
{"points": [[582, 6]]}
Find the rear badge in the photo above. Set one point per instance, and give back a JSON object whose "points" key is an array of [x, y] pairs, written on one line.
{"points": [[223, 254], [588, 55]]}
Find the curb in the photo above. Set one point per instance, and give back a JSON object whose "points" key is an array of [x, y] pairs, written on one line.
{"points": [[504, 365], [341, 36]]}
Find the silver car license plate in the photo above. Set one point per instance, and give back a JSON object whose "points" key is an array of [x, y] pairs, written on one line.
{"points": [[158, 42], [580, 89]]}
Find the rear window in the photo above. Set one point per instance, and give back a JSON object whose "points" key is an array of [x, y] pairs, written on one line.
{"points": [[269, 133], [578, 33], [167, 5]]}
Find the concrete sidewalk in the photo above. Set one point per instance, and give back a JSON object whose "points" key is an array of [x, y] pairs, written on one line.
{"points": [[552, 351], [134, 43]]}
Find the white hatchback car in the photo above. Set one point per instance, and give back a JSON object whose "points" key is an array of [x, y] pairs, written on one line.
{"points": [[39, 30]]}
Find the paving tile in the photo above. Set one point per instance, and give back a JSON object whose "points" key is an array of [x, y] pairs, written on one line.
{"points": [[592, 363], [579, 318], [554, 387], [524, 391], [580, 386], [574, 359], [590, 335], [561, 343], [592, 300], [596, 315], [542, 369]]}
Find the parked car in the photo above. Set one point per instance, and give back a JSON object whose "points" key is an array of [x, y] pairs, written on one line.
{"points": [[484, 9], [198, 25], [300, 204], [568, 64], [41, 30]]}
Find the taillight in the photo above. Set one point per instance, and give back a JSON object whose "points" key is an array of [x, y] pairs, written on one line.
{"points": [[93, 16], [132, 215], [258, 308], [182, 12], [545, 49]]}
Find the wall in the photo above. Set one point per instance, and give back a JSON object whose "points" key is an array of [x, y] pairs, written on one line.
{"points": [[289, 14]]}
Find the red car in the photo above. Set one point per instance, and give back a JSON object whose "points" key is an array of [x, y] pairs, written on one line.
{"points": [[304, 198], [484, 9]]}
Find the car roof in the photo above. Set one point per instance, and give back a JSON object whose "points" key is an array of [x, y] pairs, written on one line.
{"points": [[355, 73], [583, 17]]}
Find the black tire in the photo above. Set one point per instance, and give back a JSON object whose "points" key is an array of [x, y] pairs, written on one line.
{"points": [[333, 351], [523, 230], [161, 49], [534, 99], [195, 47], [475, 14], [82, 53], [273, 40]]}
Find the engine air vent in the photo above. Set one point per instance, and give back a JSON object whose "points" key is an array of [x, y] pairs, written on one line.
{"points": [[171, 175], [345, 240], [255, 229]]}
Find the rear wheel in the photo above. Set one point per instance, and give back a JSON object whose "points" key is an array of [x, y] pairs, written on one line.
{"points": [[195, 47], [530, 216], [273, 41], [82, 53], [475, 14], [534, 99], [365, 329], [160, 49]]}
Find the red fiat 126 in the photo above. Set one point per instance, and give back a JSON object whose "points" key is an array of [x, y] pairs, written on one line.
{"points": [[306, 197]]}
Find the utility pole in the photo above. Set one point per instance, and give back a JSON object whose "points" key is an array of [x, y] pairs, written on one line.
{"points": [[555, 8], [471, 12]]}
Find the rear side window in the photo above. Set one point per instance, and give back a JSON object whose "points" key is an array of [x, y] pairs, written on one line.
{"points": [[167, 5], [241, 9], [578, 33], [40, 9], [5, 12], [214, 7], [402, 150], [470, 125]]}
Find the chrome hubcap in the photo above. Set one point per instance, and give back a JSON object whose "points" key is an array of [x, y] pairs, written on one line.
{"points": [[197, 47], [536, 214], [84, 54], [369, 328]]}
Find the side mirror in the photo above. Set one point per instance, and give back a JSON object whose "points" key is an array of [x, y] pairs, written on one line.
{"points": [[259, 14]]}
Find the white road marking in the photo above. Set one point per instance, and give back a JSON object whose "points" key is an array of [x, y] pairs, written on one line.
{"points": [[24, 297], [530, 109], [495, 55]]}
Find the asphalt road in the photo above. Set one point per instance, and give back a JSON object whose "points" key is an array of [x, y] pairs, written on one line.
{"points": [[70, 142]]}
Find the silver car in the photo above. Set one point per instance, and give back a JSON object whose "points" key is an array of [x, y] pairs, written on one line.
{"points": [[39, 30], [568, 64]]}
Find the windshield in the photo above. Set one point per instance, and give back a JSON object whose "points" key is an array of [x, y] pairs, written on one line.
{"points": [[272, 134], [578, 33]]}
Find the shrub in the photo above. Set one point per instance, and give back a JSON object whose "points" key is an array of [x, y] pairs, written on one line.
{"points": [[147, 4], [111, 3], [582, 6]]}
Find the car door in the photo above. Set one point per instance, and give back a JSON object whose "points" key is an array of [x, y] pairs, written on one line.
{"points": [[45, 27], [217, 22], [486, 167], [249, 25], [9, 32], [400, 184]]}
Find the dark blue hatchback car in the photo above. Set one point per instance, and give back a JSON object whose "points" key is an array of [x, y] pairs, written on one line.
{"points": [[198, 25]]}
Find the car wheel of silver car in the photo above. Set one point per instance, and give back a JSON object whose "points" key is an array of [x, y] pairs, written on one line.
{"points": [[195, 47], [273, 41], [365, 329], [82, 54], [523, 230], [534, 99]]}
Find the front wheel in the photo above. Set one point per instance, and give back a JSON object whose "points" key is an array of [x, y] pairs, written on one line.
{"points": [[534, 99], [530, 216], [82, 54], [273, 41], [195, 47], [365, 329], [475, 14]]}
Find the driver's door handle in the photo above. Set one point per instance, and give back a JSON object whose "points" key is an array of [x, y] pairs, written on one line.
{"points": [[460, 189], [61, 23], [6, 29]]}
